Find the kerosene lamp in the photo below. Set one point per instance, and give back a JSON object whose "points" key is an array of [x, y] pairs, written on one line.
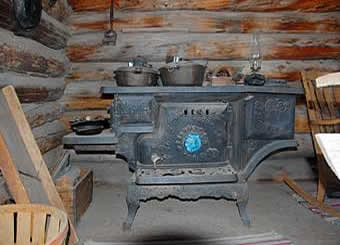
{"points": [[255, 61]]}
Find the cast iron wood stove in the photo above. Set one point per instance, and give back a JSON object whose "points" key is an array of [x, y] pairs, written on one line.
{"points": [[193, 142]]}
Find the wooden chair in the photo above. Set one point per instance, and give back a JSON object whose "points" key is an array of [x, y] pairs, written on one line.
{"points": [[323, 106], [32, 224]]}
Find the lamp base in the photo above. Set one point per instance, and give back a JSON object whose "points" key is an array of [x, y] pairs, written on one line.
{"points": [[255, 79]]}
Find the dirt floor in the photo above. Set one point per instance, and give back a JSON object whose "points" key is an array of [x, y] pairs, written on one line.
{"points": [[271, 208]]}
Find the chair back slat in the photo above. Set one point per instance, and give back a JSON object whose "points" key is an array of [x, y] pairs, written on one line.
{"points": [[7, 229], [334, 110], [53, 228], [38, 231], [23, 228]]}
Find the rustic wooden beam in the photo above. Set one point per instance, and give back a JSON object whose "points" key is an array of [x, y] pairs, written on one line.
{"points": [[61, 10], [206, 21], [50, 135], [39, 114], [49, 32], [11, 175], [235, 5], [26, 56], [34, 89], [85, 95], [156, 46]]}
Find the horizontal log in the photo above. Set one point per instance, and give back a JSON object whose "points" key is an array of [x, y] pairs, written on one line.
{"points": [[61, 10], [49, 32], [156, 46], [49, 135], [278, 69], [34, 89], [235, 5], [39, 114], [26, 56], [85, 96], [85, 103], [204, 21]]}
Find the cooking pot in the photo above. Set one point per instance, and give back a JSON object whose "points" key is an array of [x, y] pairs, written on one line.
{"points": [[183, 73], [137, 73]]}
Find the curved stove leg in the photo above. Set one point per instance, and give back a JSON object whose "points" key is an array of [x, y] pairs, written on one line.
{"points": [[132, 201], [242, 203]]}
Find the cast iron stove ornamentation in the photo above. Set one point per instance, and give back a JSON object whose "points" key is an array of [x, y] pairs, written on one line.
{"points": [[193, 142]]}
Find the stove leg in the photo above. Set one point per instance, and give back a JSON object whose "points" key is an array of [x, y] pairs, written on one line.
{"points": [[242, 204], [132, 201]]}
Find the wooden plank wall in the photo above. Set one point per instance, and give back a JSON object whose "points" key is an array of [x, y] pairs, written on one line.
{"points": [[35, 64]]}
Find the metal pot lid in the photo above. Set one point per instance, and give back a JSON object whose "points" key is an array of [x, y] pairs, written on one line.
{"points": [[185, 64], [176, 61], [137, 69], [138, 65]]}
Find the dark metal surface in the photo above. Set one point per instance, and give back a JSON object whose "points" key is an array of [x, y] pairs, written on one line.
{"points": [[136, 128], [158, 176], [222, 89], [88, 129], [230, 191], [257, 157], [104, 138]]}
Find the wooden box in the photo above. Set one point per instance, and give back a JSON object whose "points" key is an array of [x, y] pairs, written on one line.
{"points": [[75, 189]]}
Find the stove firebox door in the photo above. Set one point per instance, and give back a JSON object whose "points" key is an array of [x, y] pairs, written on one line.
{"points": [[192, 133]]}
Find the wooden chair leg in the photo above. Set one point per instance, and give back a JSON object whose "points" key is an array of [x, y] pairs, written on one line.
{"points": [[321, 189], [322, 183]]}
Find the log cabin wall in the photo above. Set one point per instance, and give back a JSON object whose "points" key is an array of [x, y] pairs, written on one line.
{"points": [[295, 35], [34, 62]]}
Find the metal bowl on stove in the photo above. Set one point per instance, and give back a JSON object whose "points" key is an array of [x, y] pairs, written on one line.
{"points": [[137, 73], [183, 73]]}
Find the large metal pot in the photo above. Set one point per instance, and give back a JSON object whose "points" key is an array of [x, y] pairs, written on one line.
{"points": [[137, 73], [183, 73], [136, 76]]}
